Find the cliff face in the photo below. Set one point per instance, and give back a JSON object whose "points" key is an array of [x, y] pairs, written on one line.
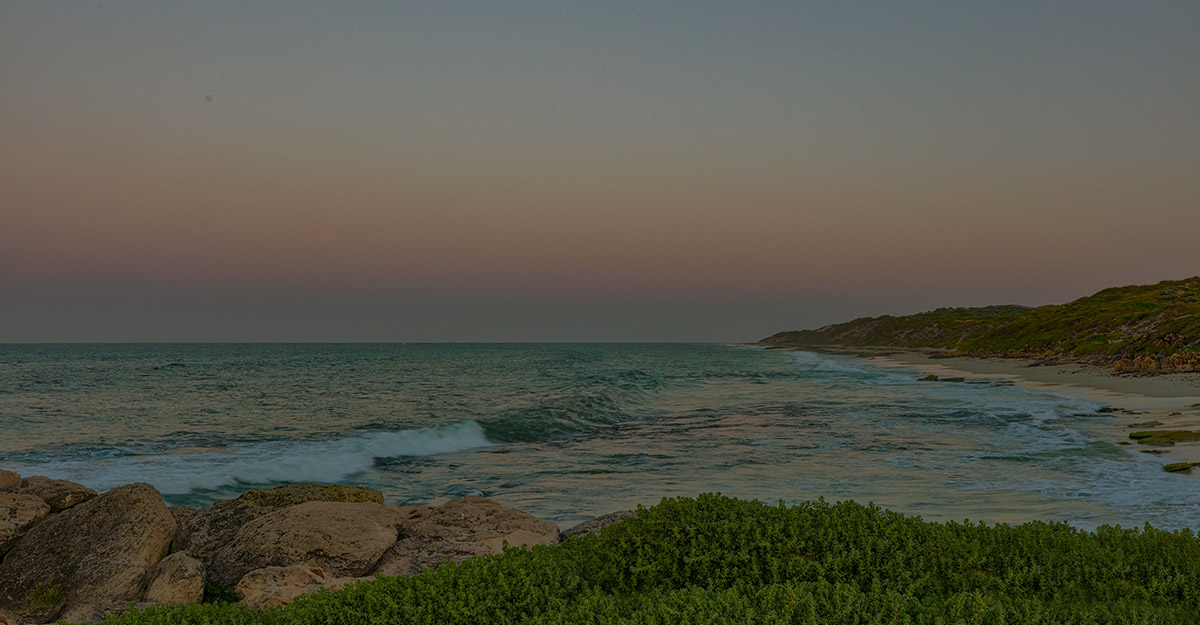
{"points": [[1133, 328]]}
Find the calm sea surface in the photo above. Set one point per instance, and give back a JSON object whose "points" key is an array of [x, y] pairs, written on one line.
{"points": [[571, 431]]}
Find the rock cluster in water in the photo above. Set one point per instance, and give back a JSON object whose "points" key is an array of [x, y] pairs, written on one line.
{"points": [[68, 553]]}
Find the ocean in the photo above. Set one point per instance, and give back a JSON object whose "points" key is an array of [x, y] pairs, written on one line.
{"points": [[570, 431]]}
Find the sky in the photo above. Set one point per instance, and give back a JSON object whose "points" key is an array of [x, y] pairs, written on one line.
{"points": [[565, 171]]}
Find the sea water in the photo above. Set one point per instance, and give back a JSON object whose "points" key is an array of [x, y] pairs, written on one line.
{"points": [[570, 431]]}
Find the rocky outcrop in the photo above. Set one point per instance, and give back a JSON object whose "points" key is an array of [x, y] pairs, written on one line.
{"points": [[178, 578], [595, 525], [98, 557], [1181, 362], [58, 494], [460, 529], [202, 533], [279, 585], [8, 477], [343, 539], [89, 560], [17, 514]]}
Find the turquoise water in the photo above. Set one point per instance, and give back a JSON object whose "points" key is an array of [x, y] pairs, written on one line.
{"points": [[571, 431]]}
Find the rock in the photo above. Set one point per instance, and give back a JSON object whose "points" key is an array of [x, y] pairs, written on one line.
{"points": [[97, 553], [302, 492], [206, 531], [343, 539], [1145, 424], [182, 514], [8, 477], [94, 611], [1164, 438], [279, 585], [1180, 467], [178, 578], [928, 378], [17, 514], [954, 380], [595, 525], [59, 494], [460, 529]]}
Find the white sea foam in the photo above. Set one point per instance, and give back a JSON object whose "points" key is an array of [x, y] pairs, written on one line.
{"points": [[806, 358], [269, 462]]}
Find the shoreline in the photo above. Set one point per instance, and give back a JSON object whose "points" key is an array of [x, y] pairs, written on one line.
{"points": [[1173, 399]]}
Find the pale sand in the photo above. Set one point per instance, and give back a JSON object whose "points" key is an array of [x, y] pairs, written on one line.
{"points": [[1173, 399]]}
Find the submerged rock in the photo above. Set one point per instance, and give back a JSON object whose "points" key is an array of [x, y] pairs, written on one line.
{"points": [[59, 494], [89, 560], [17, 514], [928, 378], [460, 529], [1164, 438], [343, 539], [1180, 467]]}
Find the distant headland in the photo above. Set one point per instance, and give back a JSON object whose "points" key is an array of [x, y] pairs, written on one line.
{"points": [[1141, 329]]}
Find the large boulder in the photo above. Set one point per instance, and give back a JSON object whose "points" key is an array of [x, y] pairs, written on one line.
{"points": [[279, 585], [88, 560], [460, 529], [17, 514], [343, 539], [206, 531], [59, 494], [8, 477], [178, 578]]}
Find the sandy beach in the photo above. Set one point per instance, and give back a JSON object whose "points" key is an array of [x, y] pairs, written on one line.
{"points": [[1172, 399]]}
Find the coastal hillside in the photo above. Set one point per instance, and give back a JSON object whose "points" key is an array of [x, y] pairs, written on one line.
{"points": [[1142, 328]]}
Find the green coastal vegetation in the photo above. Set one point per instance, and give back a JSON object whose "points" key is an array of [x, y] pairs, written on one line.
{"points": [[1146, 328], [715, 559]]}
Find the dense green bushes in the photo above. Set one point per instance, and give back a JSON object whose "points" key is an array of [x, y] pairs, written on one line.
{"points": [[715, 559]]}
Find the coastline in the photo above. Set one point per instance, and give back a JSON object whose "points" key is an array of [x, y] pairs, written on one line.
{"points": [[1172, 399]]}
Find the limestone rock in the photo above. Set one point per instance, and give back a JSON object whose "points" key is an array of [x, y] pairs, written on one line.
{"points": [[178, 578], [17, 514], [343, 539], [182, 514], [94, 554], [59, 494], [8, 477], [595, 525], [279, 585], [462, 528], [203, 533]]}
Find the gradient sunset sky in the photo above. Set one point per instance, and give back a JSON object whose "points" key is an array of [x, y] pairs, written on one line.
{"points": [[582, 171]]}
